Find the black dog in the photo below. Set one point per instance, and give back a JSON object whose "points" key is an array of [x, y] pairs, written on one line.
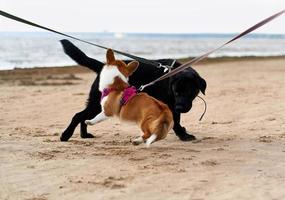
{"points": [[177, 92]]}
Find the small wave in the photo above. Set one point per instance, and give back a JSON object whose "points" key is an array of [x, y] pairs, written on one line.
{"points": [[43, 49]]}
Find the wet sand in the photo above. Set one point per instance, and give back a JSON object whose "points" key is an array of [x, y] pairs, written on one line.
{"points": [[239, 154]]}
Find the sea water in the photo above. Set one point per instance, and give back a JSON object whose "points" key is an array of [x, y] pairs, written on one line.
{"points": [[43, 49]]}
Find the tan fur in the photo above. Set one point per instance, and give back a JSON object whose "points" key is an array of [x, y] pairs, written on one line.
{"points": [[153, 116]]}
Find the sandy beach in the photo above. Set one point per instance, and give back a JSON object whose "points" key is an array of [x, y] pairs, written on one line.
{"points": [[239, 154]]}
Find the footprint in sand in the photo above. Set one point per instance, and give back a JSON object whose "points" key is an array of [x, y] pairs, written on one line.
{"points": [[109, 182], [137, 159], [210, 163], [266, 139]]}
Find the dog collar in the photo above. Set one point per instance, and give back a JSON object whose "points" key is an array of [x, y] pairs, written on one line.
{"points": [[128, 93], [106, 92]]}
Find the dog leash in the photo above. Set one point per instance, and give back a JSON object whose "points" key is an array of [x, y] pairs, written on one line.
{"points": [[143, 60], [199, 58], [205, 108], [156, 64], [140, 59]]}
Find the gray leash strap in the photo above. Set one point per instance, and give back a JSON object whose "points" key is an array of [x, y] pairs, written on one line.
{"points": [[197, 59], [140, 59]]}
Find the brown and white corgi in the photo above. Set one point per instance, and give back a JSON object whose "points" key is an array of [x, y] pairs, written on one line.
{"points": [[121, 100]]}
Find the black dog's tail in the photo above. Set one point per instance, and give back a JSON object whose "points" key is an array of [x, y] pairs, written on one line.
{"points": [[80, 58]]}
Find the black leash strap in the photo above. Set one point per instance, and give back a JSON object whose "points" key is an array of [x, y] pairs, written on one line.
{"points": [[197, 59], [205, 108], [143, 60]]}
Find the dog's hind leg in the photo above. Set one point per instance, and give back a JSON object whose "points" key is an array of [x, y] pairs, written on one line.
{"points": [[150, 140], [92, 111], [146, 133], [77, 118], [179, 130], [141, 139], [83, 131]]}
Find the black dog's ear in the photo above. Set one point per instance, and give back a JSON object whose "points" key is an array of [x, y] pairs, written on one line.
{"points": [[202, 85]]}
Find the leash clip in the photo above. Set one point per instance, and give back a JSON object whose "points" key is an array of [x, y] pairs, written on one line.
{"points": [[166, 67], [141, 88]]}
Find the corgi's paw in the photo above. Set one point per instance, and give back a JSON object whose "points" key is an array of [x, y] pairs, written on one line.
{"points": [[137, 141], [88, 122], [150, 140]]}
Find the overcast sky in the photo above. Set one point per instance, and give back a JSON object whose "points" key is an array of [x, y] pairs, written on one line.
{"points": [[162, 16]]}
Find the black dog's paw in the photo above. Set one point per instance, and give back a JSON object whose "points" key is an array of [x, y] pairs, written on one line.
{"points": [[186, 137], [87, 135], [183, 135], [65, 136]]}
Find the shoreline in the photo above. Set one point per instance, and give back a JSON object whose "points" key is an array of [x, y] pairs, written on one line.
{"points": [[74, 68], [71, 75]]}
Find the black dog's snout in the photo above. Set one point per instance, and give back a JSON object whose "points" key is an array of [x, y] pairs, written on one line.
{"points": [[182, 108], [179, 108]]}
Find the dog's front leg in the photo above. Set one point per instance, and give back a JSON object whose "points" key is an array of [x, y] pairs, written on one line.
{"points": [[99, 118], [179, 130]]}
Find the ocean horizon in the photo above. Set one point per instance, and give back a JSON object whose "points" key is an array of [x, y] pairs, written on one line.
{"points": [[43, 49]]}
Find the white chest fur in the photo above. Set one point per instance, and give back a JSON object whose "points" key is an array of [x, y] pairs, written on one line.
{"points": [[108, 75]]}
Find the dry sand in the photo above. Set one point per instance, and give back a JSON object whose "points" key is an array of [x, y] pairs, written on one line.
{"points": [[239, 154]]}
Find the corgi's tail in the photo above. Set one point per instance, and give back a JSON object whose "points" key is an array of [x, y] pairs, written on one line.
{"points": [[80, 58]]}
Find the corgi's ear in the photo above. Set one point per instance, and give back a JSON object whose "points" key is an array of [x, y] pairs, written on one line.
{"points": [[132, 67], [110, 56]]}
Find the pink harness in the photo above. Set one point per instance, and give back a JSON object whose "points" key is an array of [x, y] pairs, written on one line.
{"points": [[128, 93]]}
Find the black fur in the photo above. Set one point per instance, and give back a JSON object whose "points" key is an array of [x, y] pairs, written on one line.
{"points": [[177, 92]]}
